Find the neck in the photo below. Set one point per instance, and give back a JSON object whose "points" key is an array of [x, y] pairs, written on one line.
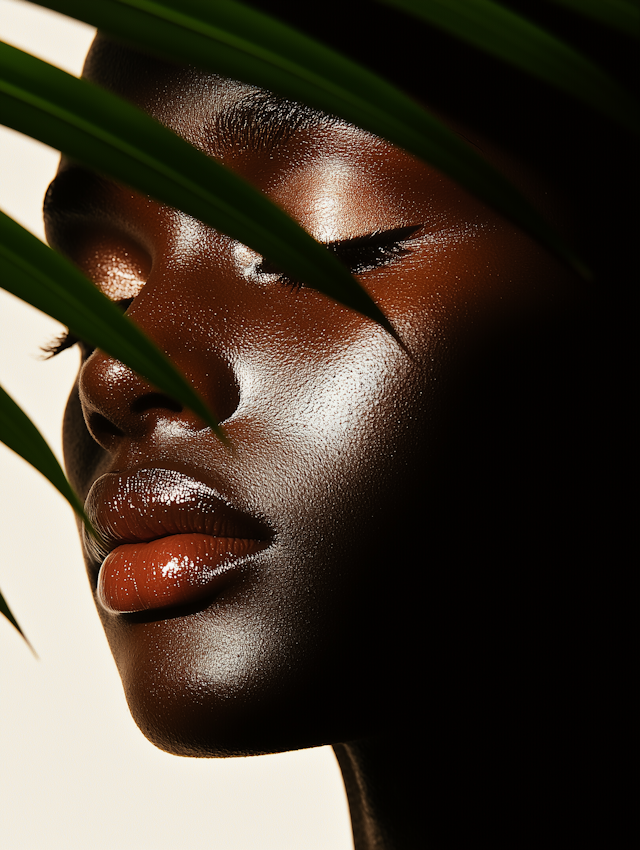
{"points": [[384, 793], [464, 792]]}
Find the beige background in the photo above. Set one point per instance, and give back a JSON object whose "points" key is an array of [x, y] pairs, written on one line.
{"points": [[75, 773]]}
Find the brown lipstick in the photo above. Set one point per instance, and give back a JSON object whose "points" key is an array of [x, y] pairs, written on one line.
{"points": [[165, 539]]}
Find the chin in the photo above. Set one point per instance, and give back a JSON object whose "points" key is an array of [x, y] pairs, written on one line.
{"points": [[186, 720], [228, 681]]}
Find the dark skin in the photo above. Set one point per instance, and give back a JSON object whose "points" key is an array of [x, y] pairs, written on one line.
{"points": [[341, 444]]}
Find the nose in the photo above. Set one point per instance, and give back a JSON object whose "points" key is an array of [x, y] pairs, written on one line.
{"points": [[119, 405]]}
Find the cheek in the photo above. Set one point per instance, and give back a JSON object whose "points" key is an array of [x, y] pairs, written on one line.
{"points": [[347, 420], [291, 655], [337, 447], [465, 284]]}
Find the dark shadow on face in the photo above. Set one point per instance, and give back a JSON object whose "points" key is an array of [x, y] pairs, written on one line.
{"points": [[405, 495]]}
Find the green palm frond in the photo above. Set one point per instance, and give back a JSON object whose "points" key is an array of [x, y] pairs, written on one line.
{"points": [[6, 612], [46, 280], [239, 42], [111, 136], [521, 43], [621, 15]]}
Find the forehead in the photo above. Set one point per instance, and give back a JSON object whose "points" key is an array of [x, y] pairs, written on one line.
{"points": [[214, 112], [336, 179]]}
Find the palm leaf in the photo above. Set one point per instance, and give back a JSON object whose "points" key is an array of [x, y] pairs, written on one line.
{"points": [[242, 43], [238, 42], [5, 611], [521, 43], [19, 433], [46, 280], [104, 132], [617, 14]]}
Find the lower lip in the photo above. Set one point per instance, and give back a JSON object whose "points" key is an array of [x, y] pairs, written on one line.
{"points": [[176, 570]]}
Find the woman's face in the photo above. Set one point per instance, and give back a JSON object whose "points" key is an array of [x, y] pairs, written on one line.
{"points": [[309, 546]]}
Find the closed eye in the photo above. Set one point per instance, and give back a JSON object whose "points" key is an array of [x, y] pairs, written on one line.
{"points": [[359, 255], [374, 249]]}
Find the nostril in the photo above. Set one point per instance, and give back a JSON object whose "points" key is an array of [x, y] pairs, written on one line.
{"points": [[153, 401], [119, 403], [99, 424]]}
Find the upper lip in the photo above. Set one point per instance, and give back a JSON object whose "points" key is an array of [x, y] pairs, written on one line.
{"points": [[153, 503]]}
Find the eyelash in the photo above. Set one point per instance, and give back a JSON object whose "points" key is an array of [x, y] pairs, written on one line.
{"points": [[359, 255], [68, 339], [59, 344]]}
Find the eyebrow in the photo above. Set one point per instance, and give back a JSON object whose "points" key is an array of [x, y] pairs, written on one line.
{"points": [[258, 121], [261, 121]]}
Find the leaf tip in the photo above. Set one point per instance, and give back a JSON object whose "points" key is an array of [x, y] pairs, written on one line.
{"points": [[6, 612]]}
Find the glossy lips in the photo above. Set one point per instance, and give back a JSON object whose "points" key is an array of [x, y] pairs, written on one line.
{"points": [[165, 539]]}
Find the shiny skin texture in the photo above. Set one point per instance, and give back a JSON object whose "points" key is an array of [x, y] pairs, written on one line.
{"points": [[338, 433]]}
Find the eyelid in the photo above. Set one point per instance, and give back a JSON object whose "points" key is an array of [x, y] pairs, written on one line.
{"points": [[375, 239]]}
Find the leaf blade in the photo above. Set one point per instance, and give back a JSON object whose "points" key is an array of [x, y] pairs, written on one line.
{"points": [[36, 274], [521, 43], [19, 433], [239, 42], [617, 14], [108, 134], [6, 612]]}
